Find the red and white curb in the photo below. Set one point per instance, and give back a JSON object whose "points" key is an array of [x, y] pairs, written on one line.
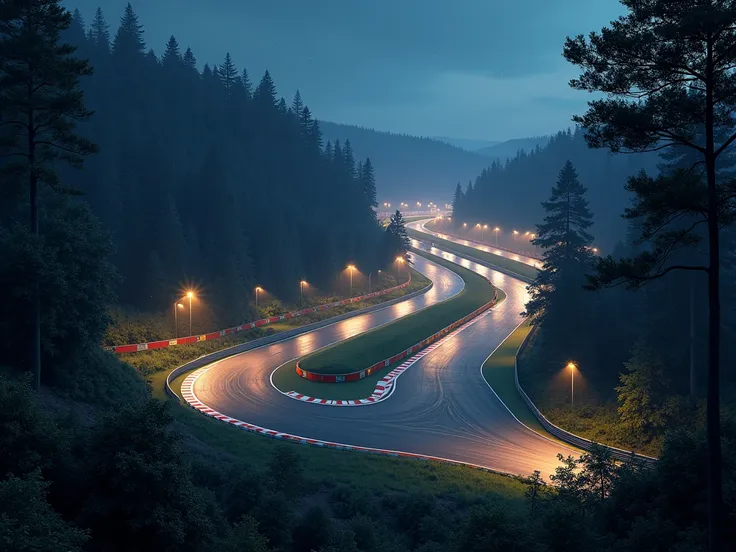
{"points": [[187, 391], [387, 384]]}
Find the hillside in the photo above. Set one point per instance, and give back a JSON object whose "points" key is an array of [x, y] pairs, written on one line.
{"points": [[509, 148], [409, 168], [510, 194], [467, 144]]}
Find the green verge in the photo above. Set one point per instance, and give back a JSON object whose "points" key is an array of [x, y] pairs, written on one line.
{"points": [[378, 344], [516, 267], [329, 467]]}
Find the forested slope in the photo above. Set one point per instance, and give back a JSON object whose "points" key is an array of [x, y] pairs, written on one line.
{"points": [[207, 179]]}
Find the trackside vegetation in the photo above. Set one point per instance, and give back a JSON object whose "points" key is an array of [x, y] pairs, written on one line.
{"points": [[371, 347]]}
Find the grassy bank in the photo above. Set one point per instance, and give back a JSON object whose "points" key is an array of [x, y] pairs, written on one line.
{"points": [[516, 267], [376, 345], [594, 417]]}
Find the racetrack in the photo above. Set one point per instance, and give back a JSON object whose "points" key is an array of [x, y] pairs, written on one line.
{"points": [[441, 406]]}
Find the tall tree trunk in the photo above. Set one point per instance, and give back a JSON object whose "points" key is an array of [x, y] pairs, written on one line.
{"points": [[692, 337], [36, 314], [713, 421]]}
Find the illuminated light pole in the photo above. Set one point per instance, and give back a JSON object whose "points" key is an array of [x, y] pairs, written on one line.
{"points": [[465, 225], [369, 279], [485, 227], [302, 283], [496, 229], [400, 261], [515, 234], [571, 366], [190, 295], [177, 305], [258, 290], [351, 269]]}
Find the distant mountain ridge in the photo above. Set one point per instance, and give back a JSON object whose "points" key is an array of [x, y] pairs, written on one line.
{"points": [[409, 168], [467, 144], [509, 148]]}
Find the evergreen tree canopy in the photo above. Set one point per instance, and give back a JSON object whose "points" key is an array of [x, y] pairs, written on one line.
{"points": [[567, 247], [396, 233]]}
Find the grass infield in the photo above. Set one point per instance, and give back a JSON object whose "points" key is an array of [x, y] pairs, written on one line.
{"points": [[376, 345]]}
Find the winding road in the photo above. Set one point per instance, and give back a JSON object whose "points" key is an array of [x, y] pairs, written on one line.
{"points": [[441, 406]]}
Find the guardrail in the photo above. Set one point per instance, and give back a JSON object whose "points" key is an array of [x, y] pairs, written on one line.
{"points": [[566, 436], [360, 374], [151, 345], [267, 340]]}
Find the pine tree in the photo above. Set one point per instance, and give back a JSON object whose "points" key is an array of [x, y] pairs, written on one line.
{"points": [[129, 41], [100, 31], [172, 55], [265, 93], [457, 203], [45, 103], [189, 59], [297, 107], [247, 85], [567, 247], [349, 159], [228, 74], [281, 107], [368, 183], [398, 238]]}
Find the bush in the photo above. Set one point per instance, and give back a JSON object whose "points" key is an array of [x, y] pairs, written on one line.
{"points": [[275, 518], [312, 531], [285, 471]]}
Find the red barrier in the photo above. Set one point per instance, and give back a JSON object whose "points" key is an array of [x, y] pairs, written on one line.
{"points": [[136, 347], [355, 376]]}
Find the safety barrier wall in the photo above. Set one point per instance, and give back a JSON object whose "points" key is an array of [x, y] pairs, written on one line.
{"points": [[136, 347], [355, 376], [566, 436]]}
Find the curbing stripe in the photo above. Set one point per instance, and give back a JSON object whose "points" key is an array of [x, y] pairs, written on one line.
{"points": [[385, 386], [188, 387]]}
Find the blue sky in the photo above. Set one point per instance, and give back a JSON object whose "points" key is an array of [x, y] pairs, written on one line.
{"points": [[479, 69]]}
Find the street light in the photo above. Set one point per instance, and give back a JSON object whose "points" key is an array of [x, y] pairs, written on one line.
{"points": [[465, 225], [484, 227], [177, 305], [400, 261], [258, 290], [571, 366], [351, 268], [515, 234], [369, 279], [302, 283], [190, 295], [496, 229]]}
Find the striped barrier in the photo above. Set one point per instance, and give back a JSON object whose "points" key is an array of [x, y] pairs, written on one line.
{"points": [[386, 385], [137, 347], [566, 436], [360, 374]]}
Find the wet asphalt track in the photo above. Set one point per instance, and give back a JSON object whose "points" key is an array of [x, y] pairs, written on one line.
{"points": [[441, 406]]}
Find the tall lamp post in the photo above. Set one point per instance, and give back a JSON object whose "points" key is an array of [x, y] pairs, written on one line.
{"points": [[399, 261], [496, 229], [351, 269], [190, 296], [369, 279], [177, 305], [485, 227], [259, 289], [571, 366], [302, 283], [465, 225], [516, 233]]}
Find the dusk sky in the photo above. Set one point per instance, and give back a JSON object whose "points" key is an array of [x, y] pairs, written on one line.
{"points": [[478, 69]]}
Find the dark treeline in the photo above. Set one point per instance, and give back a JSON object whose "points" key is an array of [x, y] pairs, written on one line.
{"points": [[208, 179], [510, 194]]}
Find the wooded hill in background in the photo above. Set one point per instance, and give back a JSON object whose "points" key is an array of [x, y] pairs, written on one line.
{"points": [[205, 179], [409, 168], [510, 194]]}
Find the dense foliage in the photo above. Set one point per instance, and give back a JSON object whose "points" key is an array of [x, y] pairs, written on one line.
{"points": [[128, 481], [201, 176], [508, 194]]}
